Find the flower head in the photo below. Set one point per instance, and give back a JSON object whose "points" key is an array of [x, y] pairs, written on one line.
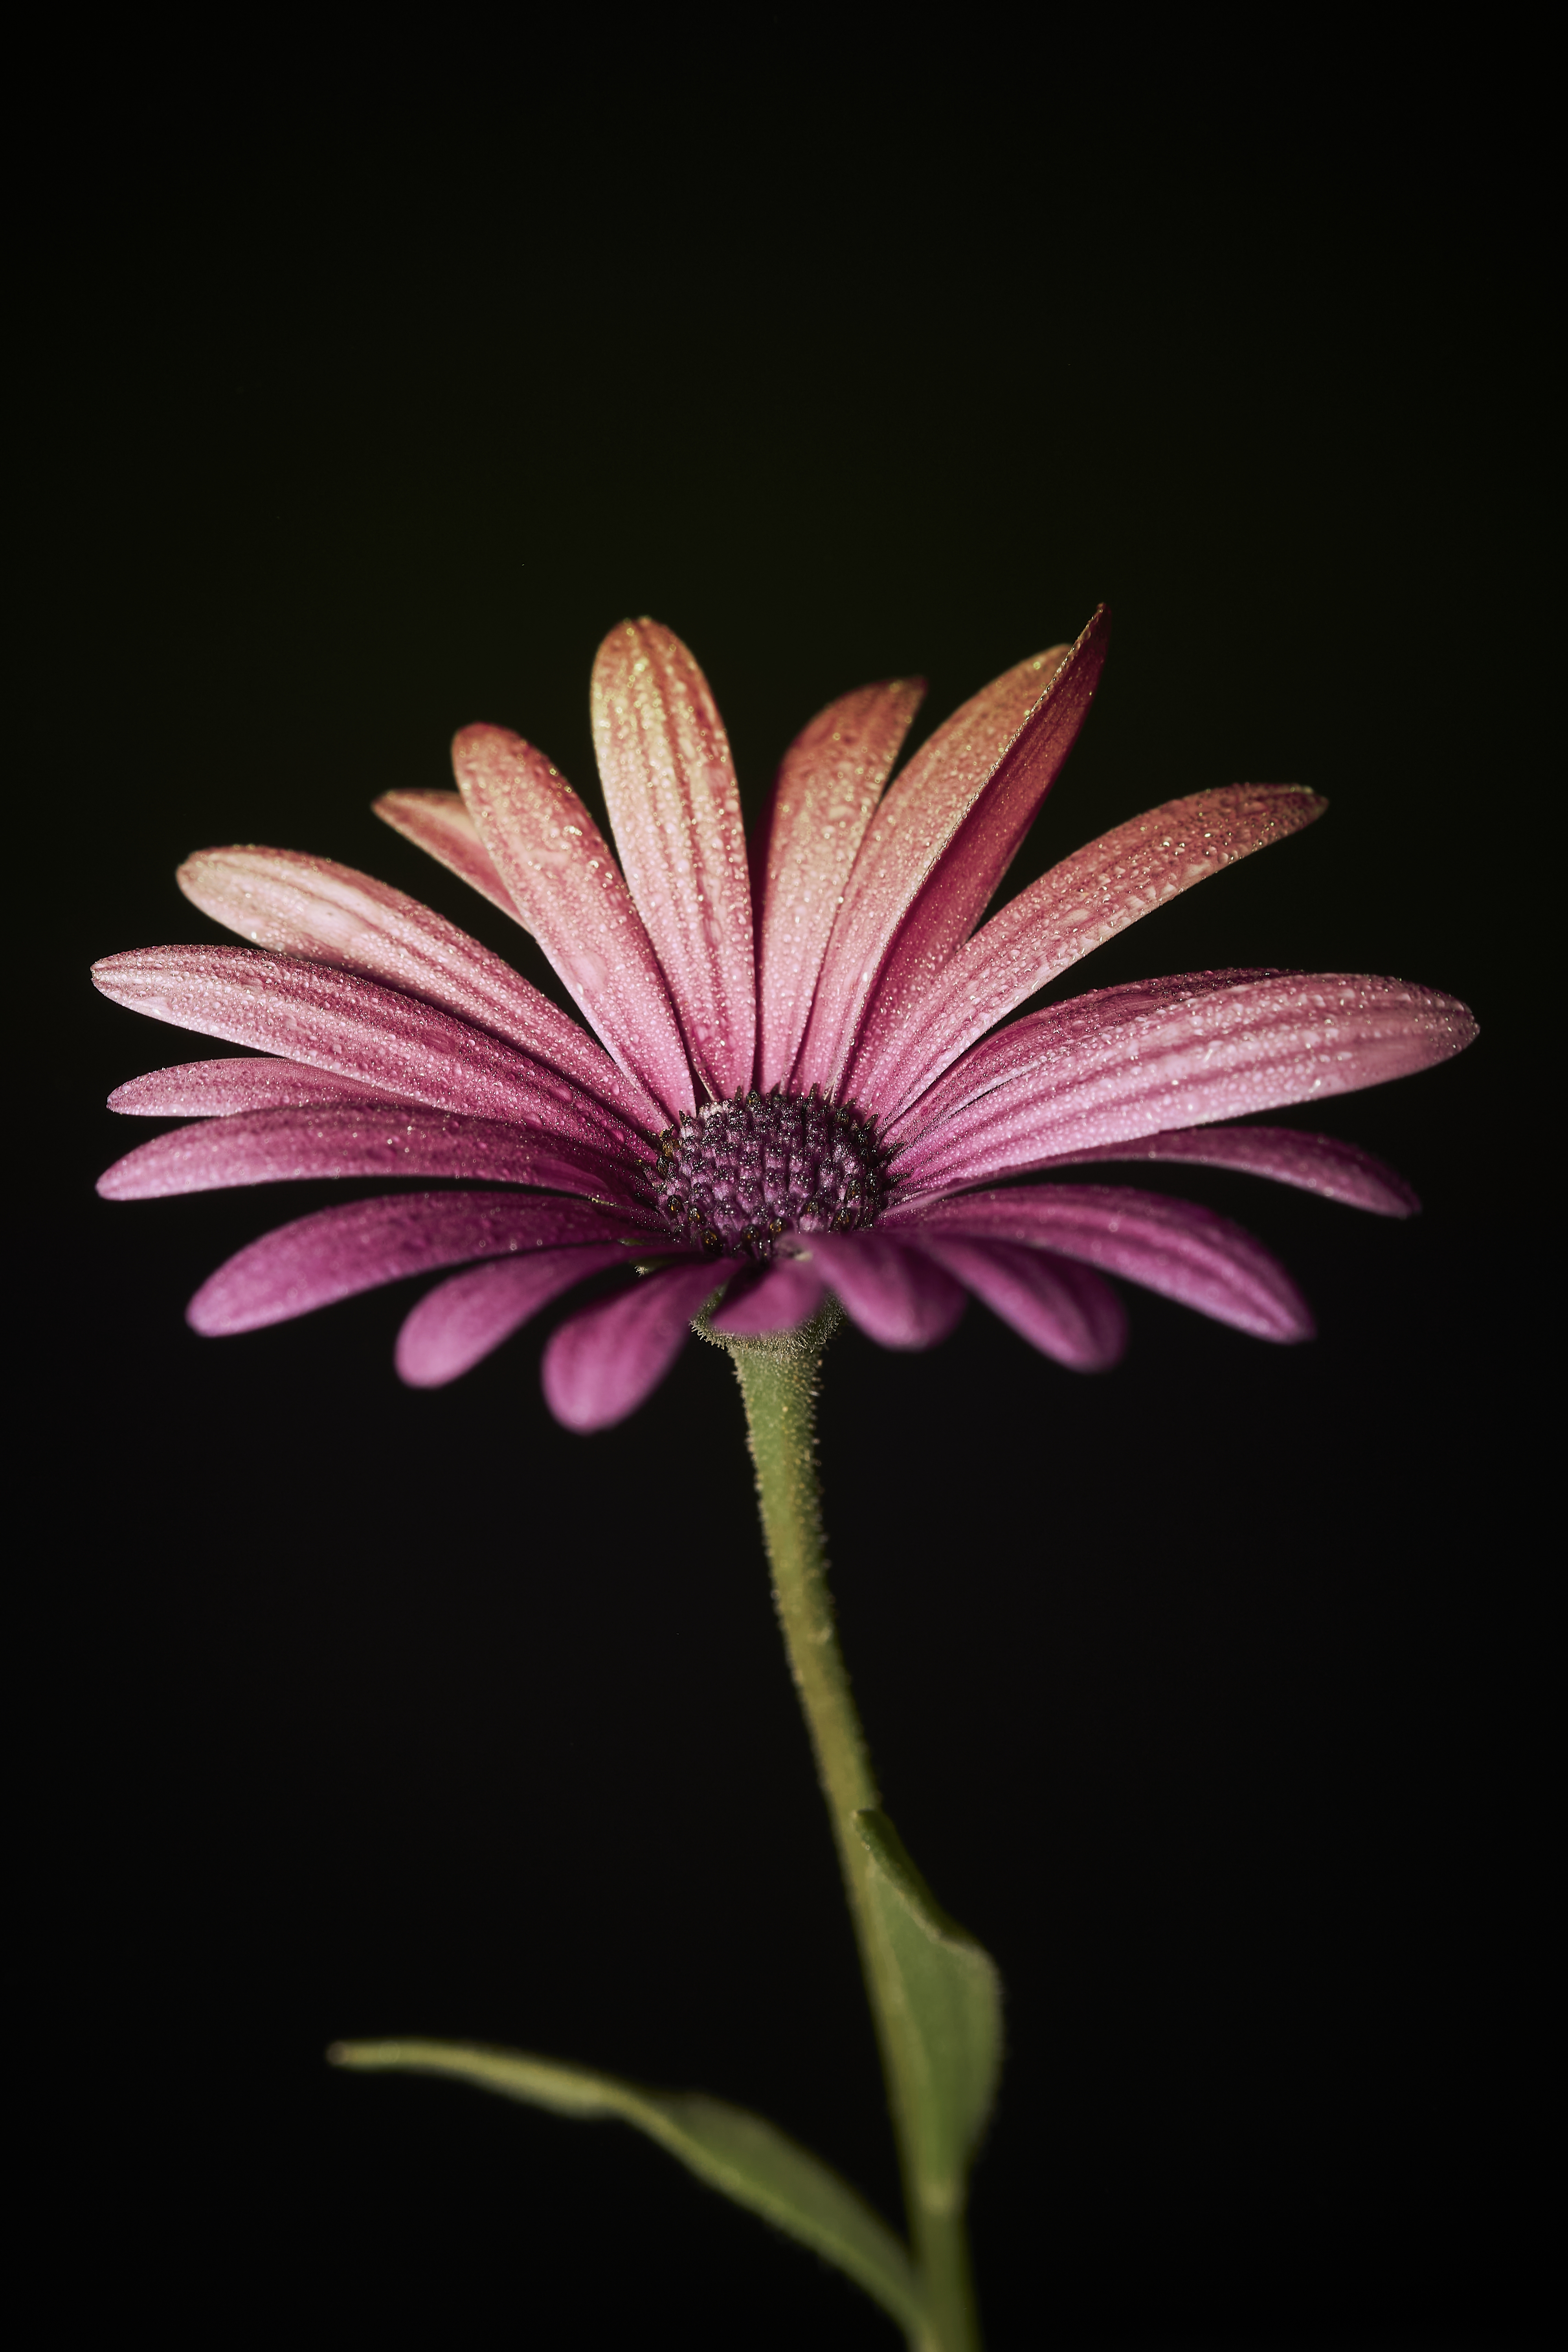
{"points": [[795, 1082]]}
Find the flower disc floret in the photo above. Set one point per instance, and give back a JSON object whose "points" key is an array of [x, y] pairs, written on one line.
{"points": [[736, 1176]]}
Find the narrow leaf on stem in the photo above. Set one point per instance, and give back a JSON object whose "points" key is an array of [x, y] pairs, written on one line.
{"points": [[944, 2011], [739, 2154]]}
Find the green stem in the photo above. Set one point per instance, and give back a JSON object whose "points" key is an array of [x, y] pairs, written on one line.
{"points": [[778, 1378]]}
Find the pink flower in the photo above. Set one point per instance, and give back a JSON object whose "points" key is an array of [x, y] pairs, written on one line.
{"points": [[798, 1083]]}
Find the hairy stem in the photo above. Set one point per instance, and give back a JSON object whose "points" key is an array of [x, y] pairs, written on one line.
{"points": [[778, 1378]]}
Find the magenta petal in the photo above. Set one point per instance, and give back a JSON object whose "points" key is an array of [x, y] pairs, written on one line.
{"points": [[339, 1252], [829, 785], [231, 1083], [1185, 1052], [310, 907], [899, 1298], [1317, 1163], [1175, 1247], [787, 1294], [1060, 1307], [439, 824], [361, 1032], [388, 1139], [670, 786], [1074, 906], [558, 868], [468, 1316], [600, 1366], [941, 842]]}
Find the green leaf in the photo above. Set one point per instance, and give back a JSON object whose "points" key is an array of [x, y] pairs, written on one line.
{"points": [[945, 2014], [733, 2151]]}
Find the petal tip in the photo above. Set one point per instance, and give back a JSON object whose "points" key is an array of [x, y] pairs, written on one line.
{"points": [[476, 737]]}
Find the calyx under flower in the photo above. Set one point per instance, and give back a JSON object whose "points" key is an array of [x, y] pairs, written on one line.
{"points": [[736, 1176]]}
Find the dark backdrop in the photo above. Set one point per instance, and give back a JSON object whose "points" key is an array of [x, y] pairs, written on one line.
{"points": [[1209, 1693]]}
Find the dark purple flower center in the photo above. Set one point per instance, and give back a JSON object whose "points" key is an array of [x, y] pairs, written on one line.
{"points": [[736, 1175]]}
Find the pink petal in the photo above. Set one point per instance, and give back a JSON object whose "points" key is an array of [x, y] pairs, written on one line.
{"points": [[362, 1032], [236, 1081], [558, 868], [941, 842], [468, 1316], [439, 824], [394, 1139], [600, 1366], [1173, 1247], [309, 907], [1161, 1053], [1317, 1163], [788, 1293], [828, 785], [1060, 1307], [899, 1298], [338, 1252], [1080, 903], [669, 787]]}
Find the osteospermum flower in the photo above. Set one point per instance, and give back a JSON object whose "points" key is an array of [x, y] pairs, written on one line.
{"points": [[796, 1082]]}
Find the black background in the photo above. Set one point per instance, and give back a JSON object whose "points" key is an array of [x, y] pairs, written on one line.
{"points": [[1210, 1693]]}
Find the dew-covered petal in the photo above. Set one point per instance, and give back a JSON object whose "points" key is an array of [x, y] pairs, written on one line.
{"points": [[1161, 1053], [900, 1297], [393, 1138], [829, 785], [942, 840], [339, 1252], [558, 868], [1316, 1164], [1080, 903], [231, 1083], [468, 1316], [1183, 1252], [362, 1032], [439, 824], [669, 787], [1063, 1309], [310, 907], [785, 1294], [599, 1366]]}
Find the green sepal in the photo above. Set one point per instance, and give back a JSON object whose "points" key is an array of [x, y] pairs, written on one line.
{"points": [[946, 2016], [737, 2153]]}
